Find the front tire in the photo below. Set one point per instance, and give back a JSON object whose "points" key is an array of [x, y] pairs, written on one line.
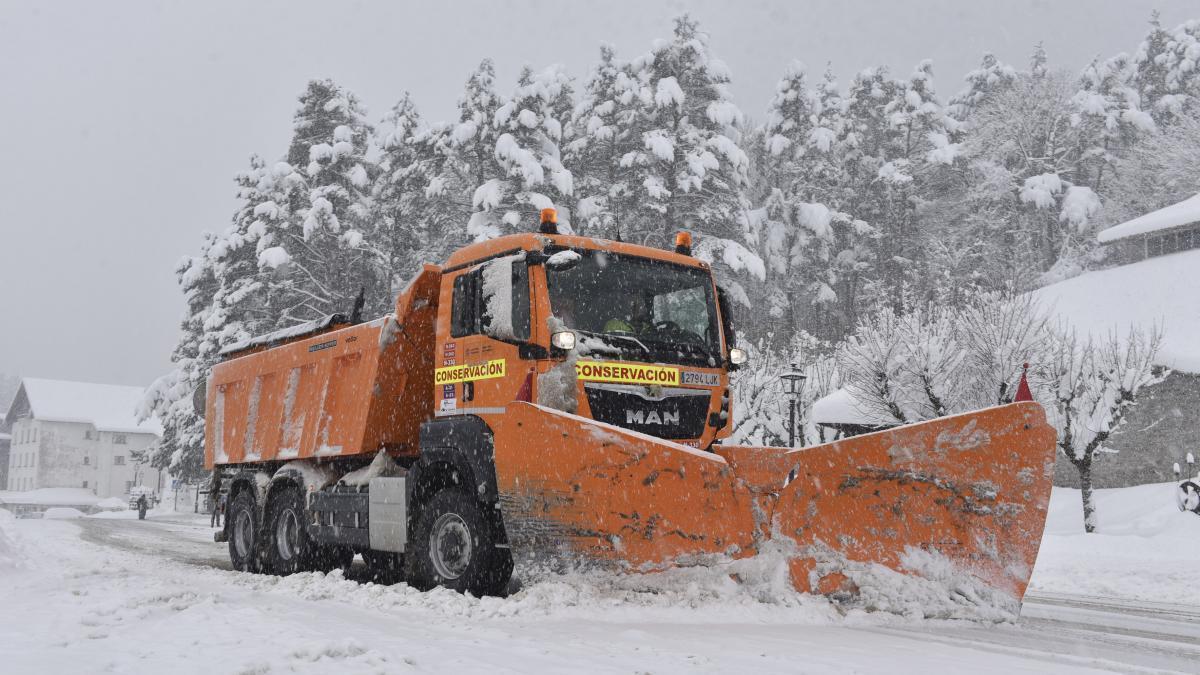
{"points": [[289, 550], [454, 546]]}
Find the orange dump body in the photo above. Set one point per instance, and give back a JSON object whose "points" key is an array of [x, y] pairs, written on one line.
{"points": [[969, 490], [346, 391]]}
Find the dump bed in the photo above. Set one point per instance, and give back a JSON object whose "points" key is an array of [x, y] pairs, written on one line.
{"points": [[343, 391]]}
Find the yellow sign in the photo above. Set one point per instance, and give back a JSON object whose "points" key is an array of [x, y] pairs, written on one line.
{"points": [[626, 373], [466, 373]]}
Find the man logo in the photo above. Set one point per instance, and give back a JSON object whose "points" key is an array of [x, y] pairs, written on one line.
{"points": [[652, 417]]}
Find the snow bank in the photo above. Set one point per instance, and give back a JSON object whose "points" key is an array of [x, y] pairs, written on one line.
{"points": [[51, 497], [1144, 548], [62, 513], [1159, 291], [12, 552], [112, 503]]}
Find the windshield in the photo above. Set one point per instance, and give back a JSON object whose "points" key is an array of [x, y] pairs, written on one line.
{"points": [[638, 308]]}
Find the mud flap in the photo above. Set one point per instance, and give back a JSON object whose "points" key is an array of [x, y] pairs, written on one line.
{"points": [[959, 500]]}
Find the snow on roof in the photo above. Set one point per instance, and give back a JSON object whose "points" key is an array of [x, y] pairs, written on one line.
{"points": [[1175, 215], [1163, 290], [108, 407], [841, 407], [50, 496]]}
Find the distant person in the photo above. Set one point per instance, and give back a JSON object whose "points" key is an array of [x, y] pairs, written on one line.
{"points": [[218, 509], [143, 505]]}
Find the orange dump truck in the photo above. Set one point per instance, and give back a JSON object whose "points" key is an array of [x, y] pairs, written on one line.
{"points": [[543, 401]]}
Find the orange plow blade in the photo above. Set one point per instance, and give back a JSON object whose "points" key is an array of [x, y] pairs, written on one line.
{"points": [[956, 504]]}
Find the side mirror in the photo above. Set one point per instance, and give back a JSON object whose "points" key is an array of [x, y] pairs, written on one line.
{"points": [[200, 398], [563, 260]]}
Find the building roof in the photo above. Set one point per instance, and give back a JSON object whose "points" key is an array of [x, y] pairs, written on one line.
{"points": [[108, 407], [1175, 215], [1158, 292], [841, 408]]}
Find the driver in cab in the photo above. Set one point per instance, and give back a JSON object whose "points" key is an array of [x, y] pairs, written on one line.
{"points": [[638, 320]]}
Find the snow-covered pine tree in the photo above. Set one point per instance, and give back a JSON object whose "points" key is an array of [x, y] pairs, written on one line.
{"points": [[605, 127], [230, 290], [690, 169], [1037, 62], [331, 259], [1182, 99], [407, 229], [1109, 119], [796, 232], [462, 156], [1150, 69], [529, 174], [983, 82]]}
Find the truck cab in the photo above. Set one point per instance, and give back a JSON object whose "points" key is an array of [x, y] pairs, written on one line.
{"points": [[627, 335]]}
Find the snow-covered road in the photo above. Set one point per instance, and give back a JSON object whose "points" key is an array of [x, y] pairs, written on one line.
{"points": [[98, 595]]}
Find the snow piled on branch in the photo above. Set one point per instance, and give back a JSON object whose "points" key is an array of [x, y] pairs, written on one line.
{"points": [[1078, 206], [1041, 190], [735, 255]]}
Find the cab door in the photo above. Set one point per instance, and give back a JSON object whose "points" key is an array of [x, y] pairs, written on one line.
{"points": [[480, 369]]}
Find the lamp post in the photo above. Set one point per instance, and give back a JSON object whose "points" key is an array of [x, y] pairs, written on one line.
{"points": [[794, 380]]}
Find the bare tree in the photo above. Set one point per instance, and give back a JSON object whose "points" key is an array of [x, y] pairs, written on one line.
{"points": [[1089, 387]]}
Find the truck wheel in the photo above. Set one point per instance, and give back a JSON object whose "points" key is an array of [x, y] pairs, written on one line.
{"points": [[242, 524], [454, 546], [289, 549]]}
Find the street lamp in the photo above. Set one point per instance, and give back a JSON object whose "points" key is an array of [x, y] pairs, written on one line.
{"points": [[795, 385]]}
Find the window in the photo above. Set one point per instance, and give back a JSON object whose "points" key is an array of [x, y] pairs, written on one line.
{"points": [[87, 435], [85, 483], [472, 306], [462, 309], [87, 460], [118, 439], [119, 460], [128, 486]]}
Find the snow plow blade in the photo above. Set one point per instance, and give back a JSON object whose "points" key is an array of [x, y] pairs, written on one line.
{"points": [[958, 503]]}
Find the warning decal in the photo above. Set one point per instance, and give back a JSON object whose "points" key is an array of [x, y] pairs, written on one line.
{"points": [[626, 373], [469, 372]]}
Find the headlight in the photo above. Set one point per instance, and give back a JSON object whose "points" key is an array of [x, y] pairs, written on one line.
{"points": [[564, 340], [737, 356]]}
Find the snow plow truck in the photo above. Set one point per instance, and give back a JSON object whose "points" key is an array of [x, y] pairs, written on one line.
{"points": [[545, 401]]}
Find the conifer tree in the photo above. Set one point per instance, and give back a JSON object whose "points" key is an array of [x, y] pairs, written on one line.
{"points": [[605, 135]]}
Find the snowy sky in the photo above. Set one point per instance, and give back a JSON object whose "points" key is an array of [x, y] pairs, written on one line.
{"points": [[123, 125]]}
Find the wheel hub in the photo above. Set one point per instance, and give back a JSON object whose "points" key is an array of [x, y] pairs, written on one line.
{"points": [[450, 546], [243, 533], [286, 531]]}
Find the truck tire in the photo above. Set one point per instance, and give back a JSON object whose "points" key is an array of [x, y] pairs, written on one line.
{"points": [[288, 548], [243, 527], [455, 546]]}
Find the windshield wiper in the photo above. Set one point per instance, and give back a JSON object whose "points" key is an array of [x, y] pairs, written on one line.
{"points": [[604, 336]]}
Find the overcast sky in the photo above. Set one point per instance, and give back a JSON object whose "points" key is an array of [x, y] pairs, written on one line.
{"points": [[123, 123]]}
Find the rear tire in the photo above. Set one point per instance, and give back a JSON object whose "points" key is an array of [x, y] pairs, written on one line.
{"points": [[454, 546], [289, 550], [243, 527]]}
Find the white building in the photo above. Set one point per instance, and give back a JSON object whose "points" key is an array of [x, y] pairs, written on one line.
{"points": [[79, 435]]}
